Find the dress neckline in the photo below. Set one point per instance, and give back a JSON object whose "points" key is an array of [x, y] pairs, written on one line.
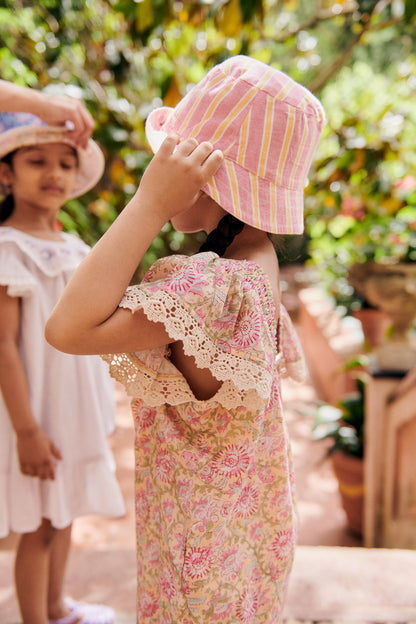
{"points": [[37, 238]]}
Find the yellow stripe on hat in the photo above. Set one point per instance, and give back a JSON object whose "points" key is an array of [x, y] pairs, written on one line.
{"points": [[308, 156], [300, 154], [267, 135], [283, 92], [233, 114], [213, 189], [241, 104], [288, 212], [273, 206], [232, 178], [206, 114], [286, 143], [255, 195], [243, 139], [214, 81]]}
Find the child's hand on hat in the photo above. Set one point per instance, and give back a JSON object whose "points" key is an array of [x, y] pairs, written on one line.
{"points": [[61, 110], [173, 180]]}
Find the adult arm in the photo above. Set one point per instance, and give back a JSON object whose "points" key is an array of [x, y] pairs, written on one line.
{"points": [[87, 318], [36, 452], [54, 110]]}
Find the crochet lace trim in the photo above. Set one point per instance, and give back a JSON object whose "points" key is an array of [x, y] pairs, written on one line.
{"points": [[162, 307], [157, 390]]}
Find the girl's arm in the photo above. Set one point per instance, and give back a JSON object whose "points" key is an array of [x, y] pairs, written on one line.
{"points": [[54, 110], [37, 453], [87, 318]]}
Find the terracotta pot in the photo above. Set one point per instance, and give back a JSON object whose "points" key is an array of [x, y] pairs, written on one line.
{"points": [[349, 471], [374, 323]]}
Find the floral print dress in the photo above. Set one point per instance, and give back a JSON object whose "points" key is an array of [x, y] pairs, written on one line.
{"points": [[215, 516]]}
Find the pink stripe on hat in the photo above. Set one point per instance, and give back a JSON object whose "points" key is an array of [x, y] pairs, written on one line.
{"points": [[267, 126]]}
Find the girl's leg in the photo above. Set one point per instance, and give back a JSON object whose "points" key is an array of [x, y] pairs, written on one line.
{"points": [[57, 567], [32, 573]]}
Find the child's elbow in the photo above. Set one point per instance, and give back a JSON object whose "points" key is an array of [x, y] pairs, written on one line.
{"points": [[58, 336]]}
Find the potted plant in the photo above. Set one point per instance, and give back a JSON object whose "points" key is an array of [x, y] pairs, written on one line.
{"points": [[361, 202], [344, 424]]}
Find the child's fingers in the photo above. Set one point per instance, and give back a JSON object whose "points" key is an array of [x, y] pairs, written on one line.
{"points": [[187, 147], [28, 470], [55, 452], [212, 163], [46, 471], [169, 144]]}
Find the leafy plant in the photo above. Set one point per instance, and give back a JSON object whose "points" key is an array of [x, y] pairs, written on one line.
{"points": [[362, 199], [343, 424]]}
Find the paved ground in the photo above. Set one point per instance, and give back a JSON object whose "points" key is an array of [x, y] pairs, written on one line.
{"points": [[102, 565]]}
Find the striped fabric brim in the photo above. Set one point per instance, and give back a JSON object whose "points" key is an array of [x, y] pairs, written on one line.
{"points": [[267, 126]]}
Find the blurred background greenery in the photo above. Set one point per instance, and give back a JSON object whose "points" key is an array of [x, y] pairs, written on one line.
{"points": [[126, 57]]}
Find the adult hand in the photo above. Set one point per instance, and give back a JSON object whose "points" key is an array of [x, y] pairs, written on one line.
{"points": [[37, 454], [57, 110]]}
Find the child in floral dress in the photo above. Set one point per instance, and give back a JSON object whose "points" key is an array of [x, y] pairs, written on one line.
{"points": [[201, 345]]}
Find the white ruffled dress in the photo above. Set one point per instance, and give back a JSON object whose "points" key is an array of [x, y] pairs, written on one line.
{"points": [[71, 396]]}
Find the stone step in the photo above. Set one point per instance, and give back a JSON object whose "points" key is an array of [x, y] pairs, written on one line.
{"points": [[335, 584], [328, 584]]}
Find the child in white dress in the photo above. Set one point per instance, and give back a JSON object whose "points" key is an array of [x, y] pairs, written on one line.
{"points": [[56, 411]]}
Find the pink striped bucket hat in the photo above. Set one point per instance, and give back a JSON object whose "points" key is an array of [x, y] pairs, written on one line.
{"points": [[266, 124]]}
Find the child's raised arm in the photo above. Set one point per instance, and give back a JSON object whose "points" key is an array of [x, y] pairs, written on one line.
{"points": [[87, 318]]}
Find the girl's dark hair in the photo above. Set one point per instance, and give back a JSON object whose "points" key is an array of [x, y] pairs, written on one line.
{"points": [[221, 238], [7, 205]]}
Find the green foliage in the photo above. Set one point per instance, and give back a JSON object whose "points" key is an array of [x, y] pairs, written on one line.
{"points": [[125, 58], [362, 199], [344, 425]]}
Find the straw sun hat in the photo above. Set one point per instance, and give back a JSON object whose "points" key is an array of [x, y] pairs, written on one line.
{"points": [[267, 126], [21, 130]]}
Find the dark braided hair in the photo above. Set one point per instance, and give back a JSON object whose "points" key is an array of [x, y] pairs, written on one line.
{"points": [[7, 205], [221, 238]]}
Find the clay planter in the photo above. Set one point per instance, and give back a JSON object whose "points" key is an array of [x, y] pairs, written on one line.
{"points": [[392, 289], [349, 471], [374, 323]]}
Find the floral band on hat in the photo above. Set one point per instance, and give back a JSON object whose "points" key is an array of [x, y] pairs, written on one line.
{"points": [[266, 124], [21, 130]]}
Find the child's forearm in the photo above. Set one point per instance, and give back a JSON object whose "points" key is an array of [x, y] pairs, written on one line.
{"points": [[170, 184], [13, 384], [96, 288]]}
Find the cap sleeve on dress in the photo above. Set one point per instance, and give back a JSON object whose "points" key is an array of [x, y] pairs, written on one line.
{"points": [[13, 272], [223, 312]]}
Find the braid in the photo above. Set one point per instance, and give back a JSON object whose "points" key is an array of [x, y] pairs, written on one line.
{"points": [[221, 238]]}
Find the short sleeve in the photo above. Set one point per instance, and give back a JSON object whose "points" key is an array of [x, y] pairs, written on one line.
{"points": [[292, 363], [13, 272], [223, 312]]}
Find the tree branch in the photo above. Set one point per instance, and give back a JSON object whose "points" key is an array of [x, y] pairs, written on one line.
{"points": [[331, 68]]}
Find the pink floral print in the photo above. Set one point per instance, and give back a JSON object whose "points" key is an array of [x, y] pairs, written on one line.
{"points": [[215, 515]]}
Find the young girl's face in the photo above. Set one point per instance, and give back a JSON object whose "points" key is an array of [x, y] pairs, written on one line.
{"points": [[43, 175]]}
